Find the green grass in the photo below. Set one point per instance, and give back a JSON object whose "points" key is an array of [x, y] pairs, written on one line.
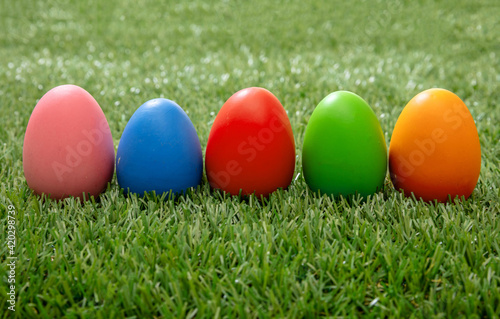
{"points": [[207, 254]]}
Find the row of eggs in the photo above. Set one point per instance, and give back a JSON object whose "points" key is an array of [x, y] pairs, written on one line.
{"points": [[434, 151]]}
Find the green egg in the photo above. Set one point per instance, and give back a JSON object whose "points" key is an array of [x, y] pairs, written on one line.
{"points": [[344, 151]]}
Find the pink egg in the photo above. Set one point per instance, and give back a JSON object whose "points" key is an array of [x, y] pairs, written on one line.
{"points": [[68, 148]]}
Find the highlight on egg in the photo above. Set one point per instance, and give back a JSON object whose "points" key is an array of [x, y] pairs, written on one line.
{"points": [[159, 150], [250, 148], [434, 152], [344, 150], [68, 148]]}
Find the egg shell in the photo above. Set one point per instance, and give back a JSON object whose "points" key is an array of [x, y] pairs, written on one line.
{"points": [[344, 150], [434, 150], [159, 150], [250, 147], [68, 148]]}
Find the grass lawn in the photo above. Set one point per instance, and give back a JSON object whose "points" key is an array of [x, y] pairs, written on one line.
{"points": [[209, 255]]}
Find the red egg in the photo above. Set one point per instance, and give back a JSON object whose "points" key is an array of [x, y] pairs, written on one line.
{"points": [[68, 148], [251, 146]]}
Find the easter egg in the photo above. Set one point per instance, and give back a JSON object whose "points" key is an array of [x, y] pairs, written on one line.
{"points": [[68, 148], [159, 150], [250, 147], [344, 150], [434, 150]]}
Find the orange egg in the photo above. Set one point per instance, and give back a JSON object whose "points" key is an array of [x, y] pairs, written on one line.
{"points": [[434, 150]]}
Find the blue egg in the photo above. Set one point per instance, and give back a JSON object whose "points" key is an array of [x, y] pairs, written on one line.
{"points": [[159, 150]]}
